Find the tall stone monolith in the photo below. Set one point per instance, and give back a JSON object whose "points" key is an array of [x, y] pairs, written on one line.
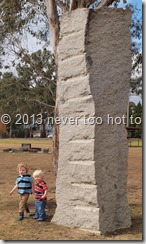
{"points": [[94, 68]]}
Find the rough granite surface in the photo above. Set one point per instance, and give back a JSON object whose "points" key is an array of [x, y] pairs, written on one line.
{"points": [[94, 68]]}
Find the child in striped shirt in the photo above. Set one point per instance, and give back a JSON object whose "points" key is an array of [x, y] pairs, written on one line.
{"points": [[40, 194], [24, 184]]}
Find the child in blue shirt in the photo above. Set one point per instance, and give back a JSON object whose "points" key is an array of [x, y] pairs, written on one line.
{"points": [[24, 184]]}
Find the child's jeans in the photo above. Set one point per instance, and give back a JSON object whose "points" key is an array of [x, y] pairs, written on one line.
{"points": [[40, 210]]}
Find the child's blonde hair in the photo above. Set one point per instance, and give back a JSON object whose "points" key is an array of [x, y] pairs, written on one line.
{"points": [[38, 172], [20, 165]]}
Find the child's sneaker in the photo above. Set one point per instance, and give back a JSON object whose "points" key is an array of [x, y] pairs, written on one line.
{"points": [[34, 217], [21, 216], [39, 219]]}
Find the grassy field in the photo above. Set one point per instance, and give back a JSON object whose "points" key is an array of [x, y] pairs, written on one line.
{"points": [[30, 229], [135, 142], [16, 143]]}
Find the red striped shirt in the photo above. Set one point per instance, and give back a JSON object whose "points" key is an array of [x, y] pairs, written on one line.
{"points": [[39, 190]]}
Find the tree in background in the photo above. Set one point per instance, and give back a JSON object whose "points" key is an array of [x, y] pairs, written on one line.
{"points": [[40, 70], [136, 35], [3, 130], [32, 91], [19, 17], [135, 119]]}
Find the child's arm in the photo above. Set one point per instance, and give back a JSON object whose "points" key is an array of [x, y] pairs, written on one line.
{"points": [[45, 194], [32, 185], [14, 188]]}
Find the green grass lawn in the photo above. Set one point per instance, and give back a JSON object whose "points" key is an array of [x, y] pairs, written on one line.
{"points": [[134, 142]]}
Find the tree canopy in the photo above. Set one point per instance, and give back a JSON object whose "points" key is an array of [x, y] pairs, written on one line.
{"points": [[40, 18], [135, 119], [32, 90]]}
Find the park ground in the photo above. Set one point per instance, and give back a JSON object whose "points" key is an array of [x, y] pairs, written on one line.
{"points": [[30, 229]]}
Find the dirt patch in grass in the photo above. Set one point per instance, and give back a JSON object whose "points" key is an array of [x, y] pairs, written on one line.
{"points": [[29, 229]]}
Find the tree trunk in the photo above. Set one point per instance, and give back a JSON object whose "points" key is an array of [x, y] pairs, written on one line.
{"points": [[53, 24], [10, 133], [54, 31], [105, 3], [42, 126]]}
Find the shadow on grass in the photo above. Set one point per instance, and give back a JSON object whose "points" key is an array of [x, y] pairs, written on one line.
{"points": [[136, 223], [136, 219], [51, 206]]}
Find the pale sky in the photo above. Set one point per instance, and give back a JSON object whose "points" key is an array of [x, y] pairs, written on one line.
{"points": [[135, 99]]}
